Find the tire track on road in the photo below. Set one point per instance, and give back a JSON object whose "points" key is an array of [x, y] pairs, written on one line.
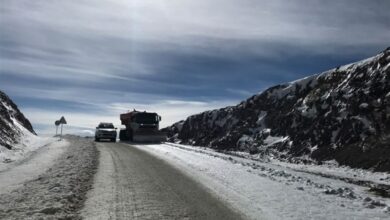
{"points": [[149, 188]]}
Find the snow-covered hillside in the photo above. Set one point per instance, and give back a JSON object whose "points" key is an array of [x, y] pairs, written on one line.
{"points": [[17, 135], [342, 114]]}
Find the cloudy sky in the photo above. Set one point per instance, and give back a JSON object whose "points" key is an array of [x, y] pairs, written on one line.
{"points": [[90, 60]]}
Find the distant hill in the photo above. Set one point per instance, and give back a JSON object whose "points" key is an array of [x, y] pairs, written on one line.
{"points": [[342, 114], [13, 124]]}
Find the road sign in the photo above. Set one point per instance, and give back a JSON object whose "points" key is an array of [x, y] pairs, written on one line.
{"points": [[62, 120]]}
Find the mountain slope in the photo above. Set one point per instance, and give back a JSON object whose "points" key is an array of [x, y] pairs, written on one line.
{"points": [[342, 114], [13, 124]]}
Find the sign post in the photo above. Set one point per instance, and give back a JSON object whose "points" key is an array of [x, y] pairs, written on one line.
{"points": [[57, 123], [61, 122]]}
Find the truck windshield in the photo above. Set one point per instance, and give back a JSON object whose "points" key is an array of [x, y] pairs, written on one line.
{"points": [[106, 126], [147, 118]]}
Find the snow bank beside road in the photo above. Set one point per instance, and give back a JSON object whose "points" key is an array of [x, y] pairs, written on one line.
{"points": [[276, 192], [32, 164], [59, 192], [28, 143]]}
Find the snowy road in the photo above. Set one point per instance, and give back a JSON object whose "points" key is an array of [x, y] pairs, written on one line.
{"points": [[80, 178], [132, 184], [171, 181]]}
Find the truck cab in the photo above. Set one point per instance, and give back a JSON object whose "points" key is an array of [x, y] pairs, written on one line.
{"points": [[141, 127]]}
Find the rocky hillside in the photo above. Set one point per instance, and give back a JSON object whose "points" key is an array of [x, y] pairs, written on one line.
{"points": [[12, 123], [342, 114]]}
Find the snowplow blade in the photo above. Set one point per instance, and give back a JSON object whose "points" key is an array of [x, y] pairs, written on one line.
{"points": [[150, 138]]}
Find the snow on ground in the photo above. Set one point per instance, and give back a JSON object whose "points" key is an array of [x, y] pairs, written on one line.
{"points": [[31, 164], [100, 199], [59, 191], [28, 143], [277, 191], [331, 169], [32, 156]]}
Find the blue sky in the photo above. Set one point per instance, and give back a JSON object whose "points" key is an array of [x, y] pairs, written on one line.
{"points": [[92, 60]]}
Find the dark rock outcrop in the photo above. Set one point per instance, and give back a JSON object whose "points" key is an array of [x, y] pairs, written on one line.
{"points": [[9, 113], [342, 114]]}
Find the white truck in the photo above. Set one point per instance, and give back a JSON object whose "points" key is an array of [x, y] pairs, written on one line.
{"points": [[105, 130]]}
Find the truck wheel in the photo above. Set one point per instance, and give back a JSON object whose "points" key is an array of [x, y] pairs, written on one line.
{"points": [[97, 139], [113, 139]]}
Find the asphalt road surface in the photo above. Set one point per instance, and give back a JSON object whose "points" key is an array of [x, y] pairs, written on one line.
{"points": [[132, 184]]}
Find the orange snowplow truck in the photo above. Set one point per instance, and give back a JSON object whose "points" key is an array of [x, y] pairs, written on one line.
{"points": [[141, 127]]}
